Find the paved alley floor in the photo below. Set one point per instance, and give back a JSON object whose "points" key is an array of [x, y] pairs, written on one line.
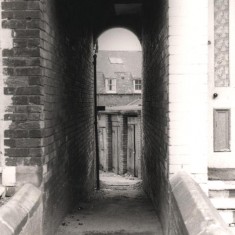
{"points": [[119, 208]]}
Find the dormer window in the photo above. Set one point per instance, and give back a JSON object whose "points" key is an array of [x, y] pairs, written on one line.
{"points": [[137, 85], [110, 85]]}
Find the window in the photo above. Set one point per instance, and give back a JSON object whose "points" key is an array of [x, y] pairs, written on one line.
{"points": [[137, 86], [221, 130], [110, 85]]}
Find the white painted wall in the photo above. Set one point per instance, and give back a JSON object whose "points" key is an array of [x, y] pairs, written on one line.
{"points": [[188, 87]]}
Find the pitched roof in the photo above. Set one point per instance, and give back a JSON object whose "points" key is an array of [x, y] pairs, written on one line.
{"points": [[136, 102], [111, 62], [133, 106]]}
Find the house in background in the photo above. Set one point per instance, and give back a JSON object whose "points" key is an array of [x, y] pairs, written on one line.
{"points": [[119, 77], [119, 88]]}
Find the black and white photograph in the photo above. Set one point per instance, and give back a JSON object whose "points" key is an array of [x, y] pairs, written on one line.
{"points": [[117, 117]]}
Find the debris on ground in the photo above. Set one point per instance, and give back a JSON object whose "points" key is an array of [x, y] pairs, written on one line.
{"points": [[119, 207]]}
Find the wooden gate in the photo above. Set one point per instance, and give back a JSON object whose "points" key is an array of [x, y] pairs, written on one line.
{"points": [[115, 149], [132, 150], [103, 148]]}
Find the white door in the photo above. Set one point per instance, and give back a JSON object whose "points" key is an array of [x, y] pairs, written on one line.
{"points": [[221, 114]]}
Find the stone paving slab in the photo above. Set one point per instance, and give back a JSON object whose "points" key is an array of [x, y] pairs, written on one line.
{"points": [[114, 211]]}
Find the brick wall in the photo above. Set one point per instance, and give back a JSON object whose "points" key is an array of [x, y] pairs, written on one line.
{"points": [[21, 90], [48, 101], [68, 160], [155, 106]]}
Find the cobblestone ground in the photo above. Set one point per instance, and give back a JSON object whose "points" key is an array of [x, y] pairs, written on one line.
{"points": [[120, 207]]}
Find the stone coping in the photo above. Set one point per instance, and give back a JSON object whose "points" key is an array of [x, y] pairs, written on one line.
{"points": [[15, 214], [224, 203], [2, 191], [218, 185], [198, 213]]}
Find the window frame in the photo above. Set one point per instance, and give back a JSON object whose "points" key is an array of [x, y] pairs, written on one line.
{"points": [[134, 84], [215, 114], [108, 84]]}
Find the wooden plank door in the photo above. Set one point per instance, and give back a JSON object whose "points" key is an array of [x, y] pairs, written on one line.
{"points": [[131, 150], [102, 148], [115, 149]]}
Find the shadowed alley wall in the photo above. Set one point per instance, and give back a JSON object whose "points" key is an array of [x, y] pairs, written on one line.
{"points": [[69, 107], [49, 78], [155, 105]]}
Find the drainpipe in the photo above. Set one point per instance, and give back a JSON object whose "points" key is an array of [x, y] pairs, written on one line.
{"points": [[96, 123]]}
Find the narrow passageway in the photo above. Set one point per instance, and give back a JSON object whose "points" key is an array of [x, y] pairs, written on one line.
{"points": [[120, 207]]}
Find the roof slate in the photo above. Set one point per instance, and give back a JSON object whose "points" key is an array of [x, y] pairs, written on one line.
{"points": [[132, 63]]}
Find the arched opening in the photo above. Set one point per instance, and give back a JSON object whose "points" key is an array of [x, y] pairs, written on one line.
{"points": [[119, 39], [119, 99]]}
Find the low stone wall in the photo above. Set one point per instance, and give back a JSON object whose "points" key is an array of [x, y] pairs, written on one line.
{"points": [[192, 211], [23, 213]]}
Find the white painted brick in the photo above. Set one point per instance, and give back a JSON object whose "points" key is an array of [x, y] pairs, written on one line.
{"points": [[188, 68], [179, 150], [9, 176], [227, 216], [174, 30], [180, 12], [189, 39], [178, 159], [174, 168], [186, 59], [187, 5], [188, 86], [190, 20], [188, 49], [187, 80]]}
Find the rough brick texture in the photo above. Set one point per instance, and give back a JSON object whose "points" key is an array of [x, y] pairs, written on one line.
{"points": [[155, 106], [68, 143], [48, 76], [22, 94]]}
